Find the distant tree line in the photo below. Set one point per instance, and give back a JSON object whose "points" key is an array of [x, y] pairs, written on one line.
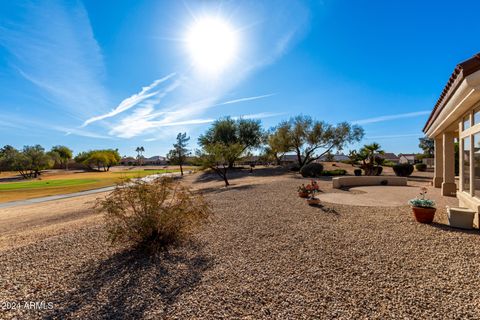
{"points": [[31, 160]]}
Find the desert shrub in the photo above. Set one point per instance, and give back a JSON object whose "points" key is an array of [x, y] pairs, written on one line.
{"points": [[378, 170], [357, 172], [372, 170], [421, 167], [403, 169], [294, 168], [388, 163], [311, 170], [152, 215], [336, 172]]}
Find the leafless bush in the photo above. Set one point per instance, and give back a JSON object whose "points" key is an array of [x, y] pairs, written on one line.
{"points": [[152, 215]]}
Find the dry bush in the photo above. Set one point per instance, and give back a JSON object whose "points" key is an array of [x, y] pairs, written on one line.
{"points": [[152, 215]]}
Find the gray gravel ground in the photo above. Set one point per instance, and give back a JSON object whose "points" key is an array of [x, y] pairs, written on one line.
{"points": [[266, 255]]}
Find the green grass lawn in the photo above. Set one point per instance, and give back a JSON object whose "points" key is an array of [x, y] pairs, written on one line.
{"points": [[35, 184]]}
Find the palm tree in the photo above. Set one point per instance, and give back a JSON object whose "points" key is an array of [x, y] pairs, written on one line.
{"points": [[370, 152], [140, 151]]}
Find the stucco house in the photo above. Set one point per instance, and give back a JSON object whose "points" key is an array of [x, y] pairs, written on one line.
{"points": [[389, 156], [456, 116], [407, 158]]}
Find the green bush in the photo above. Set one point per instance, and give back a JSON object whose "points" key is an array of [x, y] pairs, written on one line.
{"points": [[388, 163], [152, 215], [311, 170], [403, 169], [421, 167], [372, 170], [336, 172]]}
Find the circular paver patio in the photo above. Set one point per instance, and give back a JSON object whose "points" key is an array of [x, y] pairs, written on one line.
{"points": [[381, 196]]}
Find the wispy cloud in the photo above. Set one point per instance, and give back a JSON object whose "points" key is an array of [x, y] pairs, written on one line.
{"points": [[392, 117], [53, 47], [82, 133], [135, 99], [246, 99]]}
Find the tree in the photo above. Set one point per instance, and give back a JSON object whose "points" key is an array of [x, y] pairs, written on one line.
{"points": [[8, 158], [307, 136], [278, 143], [427, 145], [64, 153], [216, 156], [178, 155], [140, 151], [99, 159], [228, 132]]}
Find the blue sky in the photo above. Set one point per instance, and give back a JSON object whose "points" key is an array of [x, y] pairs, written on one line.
{"points": [[120, 74]]}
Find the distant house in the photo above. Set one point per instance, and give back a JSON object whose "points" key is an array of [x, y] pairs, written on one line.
{"points": [[335, 157], [407, 158], [155, 161], [128, 161], [388, 156], [289, 159]]}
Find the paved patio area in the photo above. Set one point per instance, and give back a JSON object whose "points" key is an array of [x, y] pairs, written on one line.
{"points": [[384, 196]]}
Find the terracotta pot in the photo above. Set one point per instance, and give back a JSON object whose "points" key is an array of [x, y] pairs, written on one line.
{"points": [[313, 201], [303, 194], [423, 215]]}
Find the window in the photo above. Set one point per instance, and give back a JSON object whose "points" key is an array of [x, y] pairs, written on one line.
{"points": [[476, 116], [476, 165], [466, 122], [466, 164]]}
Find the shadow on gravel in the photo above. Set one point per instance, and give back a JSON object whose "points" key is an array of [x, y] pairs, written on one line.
{"points": [[130, 284], [445, 227], [239, 172], [325, 209], [225, 189]]}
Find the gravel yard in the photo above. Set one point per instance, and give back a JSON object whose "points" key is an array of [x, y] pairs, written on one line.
{"points": [[266, 254]]}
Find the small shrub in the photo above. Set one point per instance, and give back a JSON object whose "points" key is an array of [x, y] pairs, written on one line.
{"points": [[357, 172], [421, 167], [152, 215], [294, 168], [388, 163], [311, 170], [403, 169], [336, 172], [372, 170]]}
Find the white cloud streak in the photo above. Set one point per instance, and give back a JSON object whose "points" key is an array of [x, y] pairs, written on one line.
{"points": [[135, 99], [53, 47], [392, 117], [246, 99]]}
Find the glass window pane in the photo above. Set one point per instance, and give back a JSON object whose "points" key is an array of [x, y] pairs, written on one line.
{"points": [[466, 164], [476, 164], [466, 122], [476, 116]]}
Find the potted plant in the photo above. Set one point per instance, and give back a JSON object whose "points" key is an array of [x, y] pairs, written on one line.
{"points": [[423, 208], [312, 189], [302, 191]]}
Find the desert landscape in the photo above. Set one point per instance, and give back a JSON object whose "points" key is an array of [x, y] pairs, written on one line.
{"points": [[256, 259]]}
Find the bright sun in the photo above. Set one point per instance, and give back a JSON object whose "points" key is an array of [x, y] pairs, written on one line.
{"points": [[212, 44]]}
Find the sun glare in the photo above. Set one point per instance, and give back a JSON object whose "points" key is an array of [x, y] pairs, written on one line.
{"points": [[212, 44]]}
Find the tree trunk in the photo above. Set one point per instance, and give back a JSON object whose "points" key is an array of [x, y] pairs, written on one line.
{"points": [[181, 169]]}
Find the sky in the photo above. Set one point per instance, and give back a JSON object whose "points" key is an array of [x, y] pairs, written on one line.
{"points": [[122, 74]]}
